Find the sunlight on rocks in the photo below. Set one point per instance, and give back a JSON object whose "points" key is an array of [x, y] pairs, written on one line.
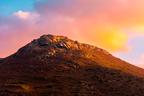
{"points": [[27, 88]]}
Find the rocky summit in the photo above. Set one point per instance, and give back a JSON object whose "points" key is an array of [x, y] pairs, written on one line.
{"points": [[58, 66]]}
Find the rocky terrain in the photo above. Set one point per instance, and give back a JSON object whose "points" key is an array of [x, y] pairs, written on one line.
{"points": [[58, 66]]}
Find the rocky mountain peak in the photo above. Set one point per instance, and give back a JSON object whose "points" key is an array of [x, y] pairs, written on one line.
{"points": [[49, 44], [52, 45], [50, 39], [53, 41]]}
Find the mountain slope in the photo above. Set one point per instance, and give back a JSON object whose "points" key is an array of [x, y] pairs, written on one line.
{"points": [[1, 60], [58, 66]]}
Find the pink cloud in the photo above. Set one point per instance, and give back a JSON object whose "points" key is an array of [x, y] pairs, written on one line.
{"points": [[26, 15], [83, 20]]}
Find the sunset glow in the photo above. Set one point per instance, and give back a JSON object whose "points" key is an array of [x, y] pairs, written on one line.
{"points": [[114, 25]]}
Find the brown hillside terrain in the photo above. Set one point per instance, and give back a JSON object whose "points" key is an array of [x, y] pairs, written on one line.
{"points": [[58, 66]]}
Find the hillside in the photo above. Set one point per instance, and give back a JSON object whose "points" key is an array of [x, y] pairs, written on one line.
{"points": [[58, 66]]}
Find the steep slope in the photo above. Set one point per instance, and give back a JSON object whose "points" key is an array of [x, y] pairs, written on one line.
{"points": [[58, 66]]}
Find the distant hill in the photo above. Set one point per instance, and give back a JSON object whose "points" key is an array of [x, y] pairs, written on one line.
{"points": [[58, 66]]}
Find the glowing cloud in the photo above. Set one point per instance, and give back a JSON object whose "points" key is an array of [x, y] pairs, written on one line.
{"points": [[109, 38], [98, 22], [26, 15], [112, 40], [22, 14]]}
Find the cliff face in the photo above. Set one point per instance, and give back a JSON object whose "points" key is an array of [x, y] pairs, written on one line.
{"points": [[58, 66]]}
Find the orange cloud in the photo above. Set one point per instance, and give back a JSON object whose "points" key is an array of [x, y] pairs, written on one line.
{"points": [[107, 37], [112, 40], [97, 22]]}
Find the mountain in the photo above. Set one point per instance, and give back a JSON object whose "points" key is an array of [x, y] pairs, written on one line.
{"points": [[1, 59], [58, 66]]}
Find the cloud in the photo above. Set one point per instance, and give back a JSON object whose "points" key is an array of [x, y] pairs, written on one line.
{"points": [[112, 40], [26, 15], [88, 16], [22, 14], [104, 23], [15, 32]]}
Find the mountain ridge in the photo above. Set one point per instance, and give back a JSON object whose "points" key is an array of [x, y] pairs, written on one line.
{"points": [[58, 66], [53, 45]]}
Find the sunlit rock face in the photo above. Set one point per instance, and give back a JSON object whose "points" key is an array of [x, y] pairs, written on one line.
{"points": [[58, 66], [50, 45]]}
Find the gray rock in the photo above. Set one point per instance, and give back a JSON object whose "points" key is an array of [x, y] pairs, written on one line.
{"points": [[43, 42]]}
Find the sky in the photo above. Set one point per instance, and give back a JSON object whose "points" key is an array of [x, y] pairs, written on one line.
{"points": [[114, 25]]}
